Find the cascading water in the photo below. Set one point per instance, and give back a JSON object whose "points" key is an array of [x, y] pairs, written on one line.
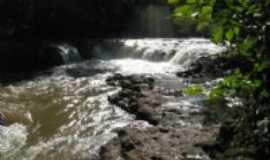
{"points": [[69, 53], [71, 115], [181, 52]]}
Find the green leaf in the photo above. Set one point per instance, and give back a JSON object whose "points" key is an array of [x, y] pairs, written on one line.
{"points": [[236, 30], [217, 34], [216, 94], [173, 2], [185, 10], [247, 45], [202, 26], [264, 94], [205, 14], [206, 10], [230, 35], [191, 1], [193, 90]]}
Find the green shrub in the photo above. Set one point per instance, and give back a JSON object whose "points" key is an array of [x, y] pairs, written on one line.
{"points": [[244, 25], [193, 90]]}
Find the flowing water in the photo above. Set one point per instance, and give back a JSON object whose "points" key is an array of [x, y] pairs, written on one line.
{"points": [[71, 117]]}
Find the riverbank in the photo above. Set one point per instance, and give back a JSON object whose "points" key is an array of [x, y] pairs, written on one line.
{"points": [[184, 131], [176, 132]]}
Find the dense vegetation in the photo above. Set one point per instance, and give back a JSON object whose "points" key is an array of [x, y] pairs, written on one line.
{"points": [[243, 25], [27, 27], [63, 18]]}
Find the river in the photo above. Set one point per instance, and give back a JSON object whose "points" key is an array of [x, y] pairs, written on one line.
{"points": [[71, 116]]}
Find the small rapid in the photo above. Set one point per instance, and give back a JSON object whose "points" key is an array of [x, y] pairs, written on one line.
{"points": [[72, 117], [181, 52], [69, 53]]}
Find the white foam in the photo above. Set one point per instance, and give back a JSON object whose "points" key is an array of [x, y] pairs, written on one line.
{"points": [[12, 139], [176, 51]]}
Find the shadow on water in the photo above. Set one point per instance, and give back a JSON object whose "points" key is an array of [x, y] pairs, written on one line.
{"points": [[86, 69], [15, 78]]}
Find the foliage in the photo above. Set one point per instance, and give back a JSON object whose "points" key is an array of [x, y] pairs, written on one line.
{"points": [[193, 90], [32, 18], [236, 84], [243, 25]]}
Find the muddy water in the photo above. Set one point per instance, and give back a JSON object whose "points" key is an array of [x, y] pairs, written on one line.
{"points": [[71, 117]]}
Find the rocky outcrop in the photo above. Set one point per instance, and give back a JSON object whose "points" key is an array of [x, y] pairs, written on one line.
{"points": [[136, 97], [175, 134], [212, 67], [157, 144], [21, 60], [8, 117], [20, 57]]}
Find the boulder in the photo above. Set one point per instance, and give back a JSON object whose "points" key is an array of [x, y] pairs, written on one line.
{"points": [[10, 117], [136, 96]]}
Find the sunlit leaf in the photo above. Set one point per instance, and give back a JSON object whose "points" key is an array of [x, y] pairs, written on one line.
{"points": [[217, 34], [229, 35]]}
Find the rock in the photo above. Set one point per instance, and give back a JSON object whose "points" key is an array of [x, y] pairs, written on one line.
{"points": [[135, 103], [131, 82], [49, 56], [148, 114], [212, 67], [156, 143], [174, 135], [26, 56], [114, 80], [10, 117], [2, 119], [136, 96]]}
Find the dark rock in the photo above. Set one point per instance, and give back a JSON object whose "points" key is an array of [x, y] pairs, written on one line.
{"points": [[114, 80], [2, 120], [9, 117], [49, 56], [136, 97], [174, 135], [148, 114], [207, 68], [132, 81], [18, 56]]}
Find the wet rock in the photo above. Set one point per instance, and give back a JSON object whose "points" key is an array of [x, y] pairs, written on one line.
{"points": [[10, 117], [175, 132], [49, 56], [132, 81], [212, 67], [145, 107], [156, 143], [2, 119], [136, 96], [114, 80]]}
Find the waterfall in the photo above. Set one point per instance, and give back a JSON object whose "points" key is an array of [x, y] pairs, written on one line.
{"points": [[190, 50], [172, 50], [69, 53]]}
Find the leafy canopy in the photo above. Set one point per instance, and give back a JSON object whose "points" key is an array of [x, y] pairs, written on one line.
{"points": [[244, 25]]}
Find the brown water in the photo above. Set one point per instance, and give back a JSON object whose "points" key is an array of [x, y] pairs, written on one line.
{"points": [[71, 115]]}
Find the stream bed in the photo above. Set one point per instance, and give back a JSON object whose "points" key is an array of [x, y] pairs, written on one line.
{"points": [[69, 115]]}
